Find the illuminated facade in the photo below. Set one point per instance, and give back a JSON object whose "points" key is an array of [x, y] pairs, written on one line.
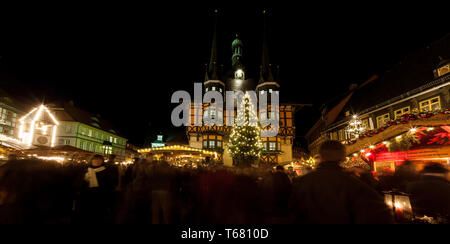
{"points": [[38, 128], [404, 115], [10, 113], [88, 132], [214, 137]]}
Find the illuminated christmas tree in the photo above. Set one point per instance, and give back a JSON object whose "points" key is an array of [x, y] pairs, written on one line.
{"points": [[245, 143]]}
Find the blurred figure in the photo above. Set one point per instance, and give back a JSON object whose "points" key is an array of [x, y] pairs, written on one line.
{"points": [[316, 160], [291, 173], [97, 192], [149, 158], [405, 174], [364, 175], [330, 195], [386, 180], [12, 157], [431, 194], [34, 191], [282, 191], [162, 182]]}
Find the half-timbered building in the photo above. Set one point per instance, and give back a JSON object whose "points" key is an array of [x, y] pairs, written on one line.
{"points": [[277, 149]]}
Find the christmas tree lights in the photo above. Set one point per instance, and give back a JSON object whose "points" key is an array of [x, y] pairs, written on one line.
{"points": [[245, 143]]}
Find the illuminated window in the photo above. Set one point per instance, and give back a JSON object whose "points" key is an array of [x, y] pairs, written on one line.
{"points": [[262, 92], [382, 119], [334, 135], [272, 146], [431, 104], [270, 90], [219, 144], [213, 114], [365, 124], [205, 144], [213, 88], [206, 89], [220, 89], [211, 144], [398, 113], [341, 135], [90, 133]]}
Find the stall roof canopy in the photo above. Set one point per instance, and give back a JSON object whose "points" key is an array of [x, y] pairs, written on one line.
{"points": [[173, 148]]}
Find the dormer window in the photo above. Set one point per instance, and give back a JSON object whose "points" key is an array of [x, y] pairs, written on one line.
{"points": [[270, 90], [262, 92], [206, 89], [213, 88]]}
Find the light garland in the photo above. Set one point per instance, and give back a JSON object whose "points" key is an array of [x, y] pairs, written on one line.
{"points": [[245, 142], [30, 123]]}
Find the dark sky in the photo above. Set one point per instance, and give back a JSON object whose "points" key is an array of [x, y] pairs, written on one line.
{"points": [[125, 62]]}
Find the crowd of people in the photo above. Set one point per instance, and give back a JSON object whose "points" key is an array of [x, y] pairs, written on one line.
{"points": [[36, 191]]}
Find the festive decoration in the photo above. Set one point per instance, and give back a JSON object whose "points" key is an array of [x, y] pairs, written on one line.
{"points": [[355, 126], [245, 143], [403, 142], [38, 127], [414, 139], [355, 162], [404, 119], [309, 163]]}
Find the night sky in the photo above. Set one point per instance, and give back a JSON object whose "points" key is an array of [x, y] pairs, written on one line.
{"points": [[124, 62]]}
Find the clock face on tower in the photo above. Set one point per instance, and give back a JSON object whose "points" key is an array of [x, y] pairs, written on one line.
{"points": [[239, 74]]}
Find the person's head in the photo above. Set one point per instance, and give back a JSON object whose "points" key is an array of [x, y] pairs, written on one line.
{"points": [[290, 169], [279, 168], [435, 169], [149, 158], [332, 151], [97, 160]]}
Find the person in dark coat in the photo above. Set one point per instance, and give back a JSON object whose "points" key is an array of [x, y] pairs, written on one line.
{"points": [[281, 191], [162, 183], [329, 195], [431, 194], [97, 192]]}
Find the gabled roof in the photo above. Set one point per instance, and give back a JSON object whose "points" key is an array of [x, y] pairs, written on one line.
{"points": [[414, 72], [334, 113], [40, 113], [68, 112]]}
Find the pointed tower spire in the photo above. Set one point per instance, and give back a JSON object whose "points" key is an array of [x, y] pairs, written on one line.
{"points": [[266, 71], [211, 72]]}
